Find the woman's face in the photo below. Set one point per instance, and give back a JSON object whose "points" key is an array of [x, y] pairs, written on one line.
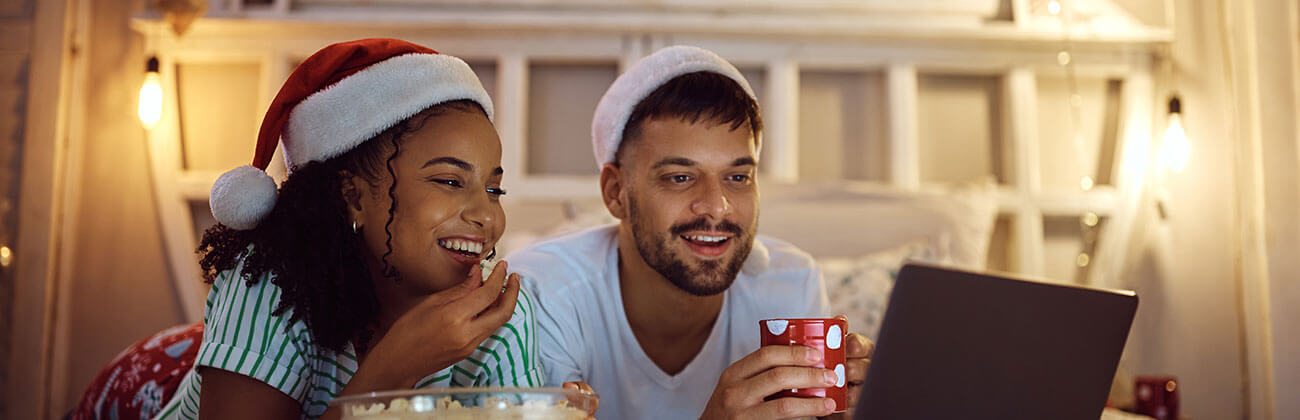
{"points": [[448, 212]]}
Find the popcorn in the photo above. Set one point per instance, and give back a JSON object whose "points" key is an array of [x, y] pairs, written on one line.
{"points": [[449, 409], [487, 266]]}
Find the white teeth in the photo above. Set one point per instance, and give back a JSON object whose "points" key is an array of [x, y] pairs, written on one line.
{"points": [[702, 238], [462, 245]]}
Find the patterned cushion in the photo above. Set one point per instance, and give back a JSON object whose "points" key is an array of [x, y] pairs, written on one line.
{"points": [[137, 383], [859, 287]]}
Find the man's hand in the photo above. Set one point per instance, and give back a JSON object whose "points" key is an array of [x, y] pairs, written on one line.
{"points": [[743, 385], [583, 387], [857, 356]]}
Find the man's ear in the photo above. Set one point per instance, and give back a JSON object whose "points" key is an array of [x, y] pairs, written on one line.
{"points": [[352, 188], [611, 190]]}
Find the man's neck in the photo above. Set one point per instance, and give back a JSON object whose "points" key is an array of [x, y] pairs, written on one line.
{"points": [[670, 324]]}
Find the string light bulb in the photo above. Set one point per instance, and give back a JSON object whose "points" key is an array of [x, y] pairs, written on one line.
{"points": [[150, 107], [1175, 149]]}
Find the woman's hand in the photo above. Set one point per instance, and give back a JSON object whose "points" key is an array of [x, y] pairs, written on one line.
{"points": [[443, 329], [583, 387], [447, 326]]}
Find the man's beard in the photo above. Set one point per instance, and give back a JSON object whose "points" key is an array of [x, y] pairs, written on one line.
{"points": [[712, 276]]}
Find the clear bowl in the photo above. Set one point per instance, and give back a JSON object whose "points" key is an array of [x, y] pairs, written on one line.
{"points": [[469, 403]]}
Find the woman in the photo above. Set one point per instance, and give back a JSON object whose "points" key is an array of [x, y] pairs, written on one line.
{"points": [[363, 275]]}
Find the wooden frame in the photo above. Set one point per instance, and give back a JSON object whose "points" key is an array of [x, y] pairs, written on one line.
{"points": [[47, 190]]}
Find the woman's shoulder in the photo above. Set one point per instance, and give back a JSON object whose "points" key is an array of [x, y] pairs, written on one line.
{"points": [[245, 304]]}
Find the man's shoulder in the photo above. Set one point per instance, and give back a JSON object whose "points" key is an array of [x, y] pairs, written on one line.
{"points": [[566, 260], [584, 247], [782, 257]]}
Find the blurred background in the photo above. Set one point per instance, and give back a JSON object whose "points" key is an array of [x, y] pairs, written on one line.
{"points": [[1150, 145]]}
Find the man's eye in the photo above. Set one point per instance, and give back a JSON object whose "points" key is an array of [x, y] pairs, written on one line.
{"points": [[740, 178], [678, 179], [496, 191]]}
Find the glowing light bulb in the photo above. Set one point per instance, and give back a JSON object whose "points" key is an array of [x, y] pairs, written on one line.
{"points": [[1175, 150], [1090, 219], [150, 108]]}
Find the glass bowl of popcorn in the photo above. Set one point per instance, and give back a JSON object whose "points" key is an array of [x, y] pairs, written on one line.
{"points": [[469, 403]]}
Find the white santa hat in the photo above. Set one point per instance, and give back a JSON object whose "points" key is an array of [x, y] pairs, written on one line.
{"points": [[338, 98], [640, 81]]}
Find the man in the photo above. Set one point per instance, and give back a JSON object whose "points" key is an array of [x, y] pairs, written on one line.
{"points": [[660, 312]]}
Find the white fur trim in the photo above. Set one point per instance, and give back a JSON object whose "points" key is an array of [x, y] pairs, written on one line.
{"points": [[643, 78], [340, 117], [242, 197]]}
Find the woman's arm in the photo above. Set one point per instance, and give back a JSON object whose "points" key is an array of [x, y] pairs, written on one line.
{"points": [[229, 395]]}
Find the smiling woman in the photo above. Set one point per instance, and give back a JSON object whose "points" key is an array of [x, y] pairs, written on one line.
{"points": [[360, 273]]}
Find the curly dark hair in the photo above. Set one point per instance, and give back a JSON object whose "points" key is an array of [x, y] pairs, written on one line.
{"points": [[308, 245]]}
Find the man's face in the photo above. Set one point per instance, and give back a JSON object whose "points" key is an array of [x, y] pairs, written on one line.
{"points": [[692, 200]]}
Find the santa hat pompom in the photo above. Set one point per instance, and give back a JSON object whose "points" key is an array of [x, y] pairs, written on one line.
{"points": [[242, 197]]}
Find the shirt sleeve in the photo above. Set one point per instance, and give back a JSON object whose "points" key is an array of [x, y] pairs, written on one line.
{"points": [[242, 336], [509, 355], [561, 348]]}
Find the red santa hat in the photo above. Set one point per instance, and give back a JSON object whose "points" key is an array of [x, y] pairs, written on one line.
{"points": [[640, 81], [338, 98]]}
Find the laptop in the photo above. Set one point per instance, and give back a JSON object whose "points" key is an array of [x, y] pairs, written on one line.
{"points": [[964, 345]]}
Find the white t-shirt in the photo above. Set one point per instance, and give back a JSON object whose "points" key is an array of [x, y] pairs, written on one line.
{"points": [[584, 334]]}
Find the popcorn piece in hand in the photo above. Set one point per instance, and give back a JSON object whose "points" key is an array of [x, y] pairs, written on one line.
{"points": [[487, 266]]}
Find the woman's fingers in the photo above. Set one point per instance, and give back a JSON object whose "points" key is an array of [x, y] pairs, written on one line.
{"points": [[501, 309], [480, 298], [457, 292]]}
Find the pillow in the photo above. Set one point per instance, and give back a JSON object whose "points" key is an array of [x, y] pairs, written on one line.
{"points": [[859, 288], [850, 220], [140, 380]]}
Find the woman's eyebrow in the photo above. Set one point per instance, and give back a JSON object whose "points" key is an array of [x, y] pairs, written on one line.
{"points": [[450, 161]]}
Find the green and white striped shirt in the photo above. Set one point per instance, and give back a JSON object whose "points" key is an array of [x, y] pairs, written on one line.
{"points": [[242, 336]]}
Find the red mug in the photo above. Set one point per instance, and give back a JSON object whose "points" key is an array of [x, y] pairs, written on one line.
{"points": [[1157, 396], [825, 334]]}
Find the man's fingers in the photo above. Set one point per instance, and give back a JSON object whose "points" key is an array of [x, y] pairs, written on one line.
{"points": [[790, 407], [788, 377], [768, 357], [583, 387], [857, 347], [852, 392], [855, 370]]}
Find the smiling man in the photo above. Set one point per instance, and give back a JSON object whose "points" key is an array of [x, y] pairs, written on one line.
{"points": [[659, 313]]}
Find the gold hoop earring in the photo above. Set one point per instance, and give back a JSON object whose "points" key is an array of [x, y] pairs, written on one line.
{"points": [[354, 226]]}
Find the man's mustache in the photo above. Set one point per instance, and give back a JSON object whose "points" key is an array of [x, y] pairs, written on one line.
{"points": [[703, 224]]}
